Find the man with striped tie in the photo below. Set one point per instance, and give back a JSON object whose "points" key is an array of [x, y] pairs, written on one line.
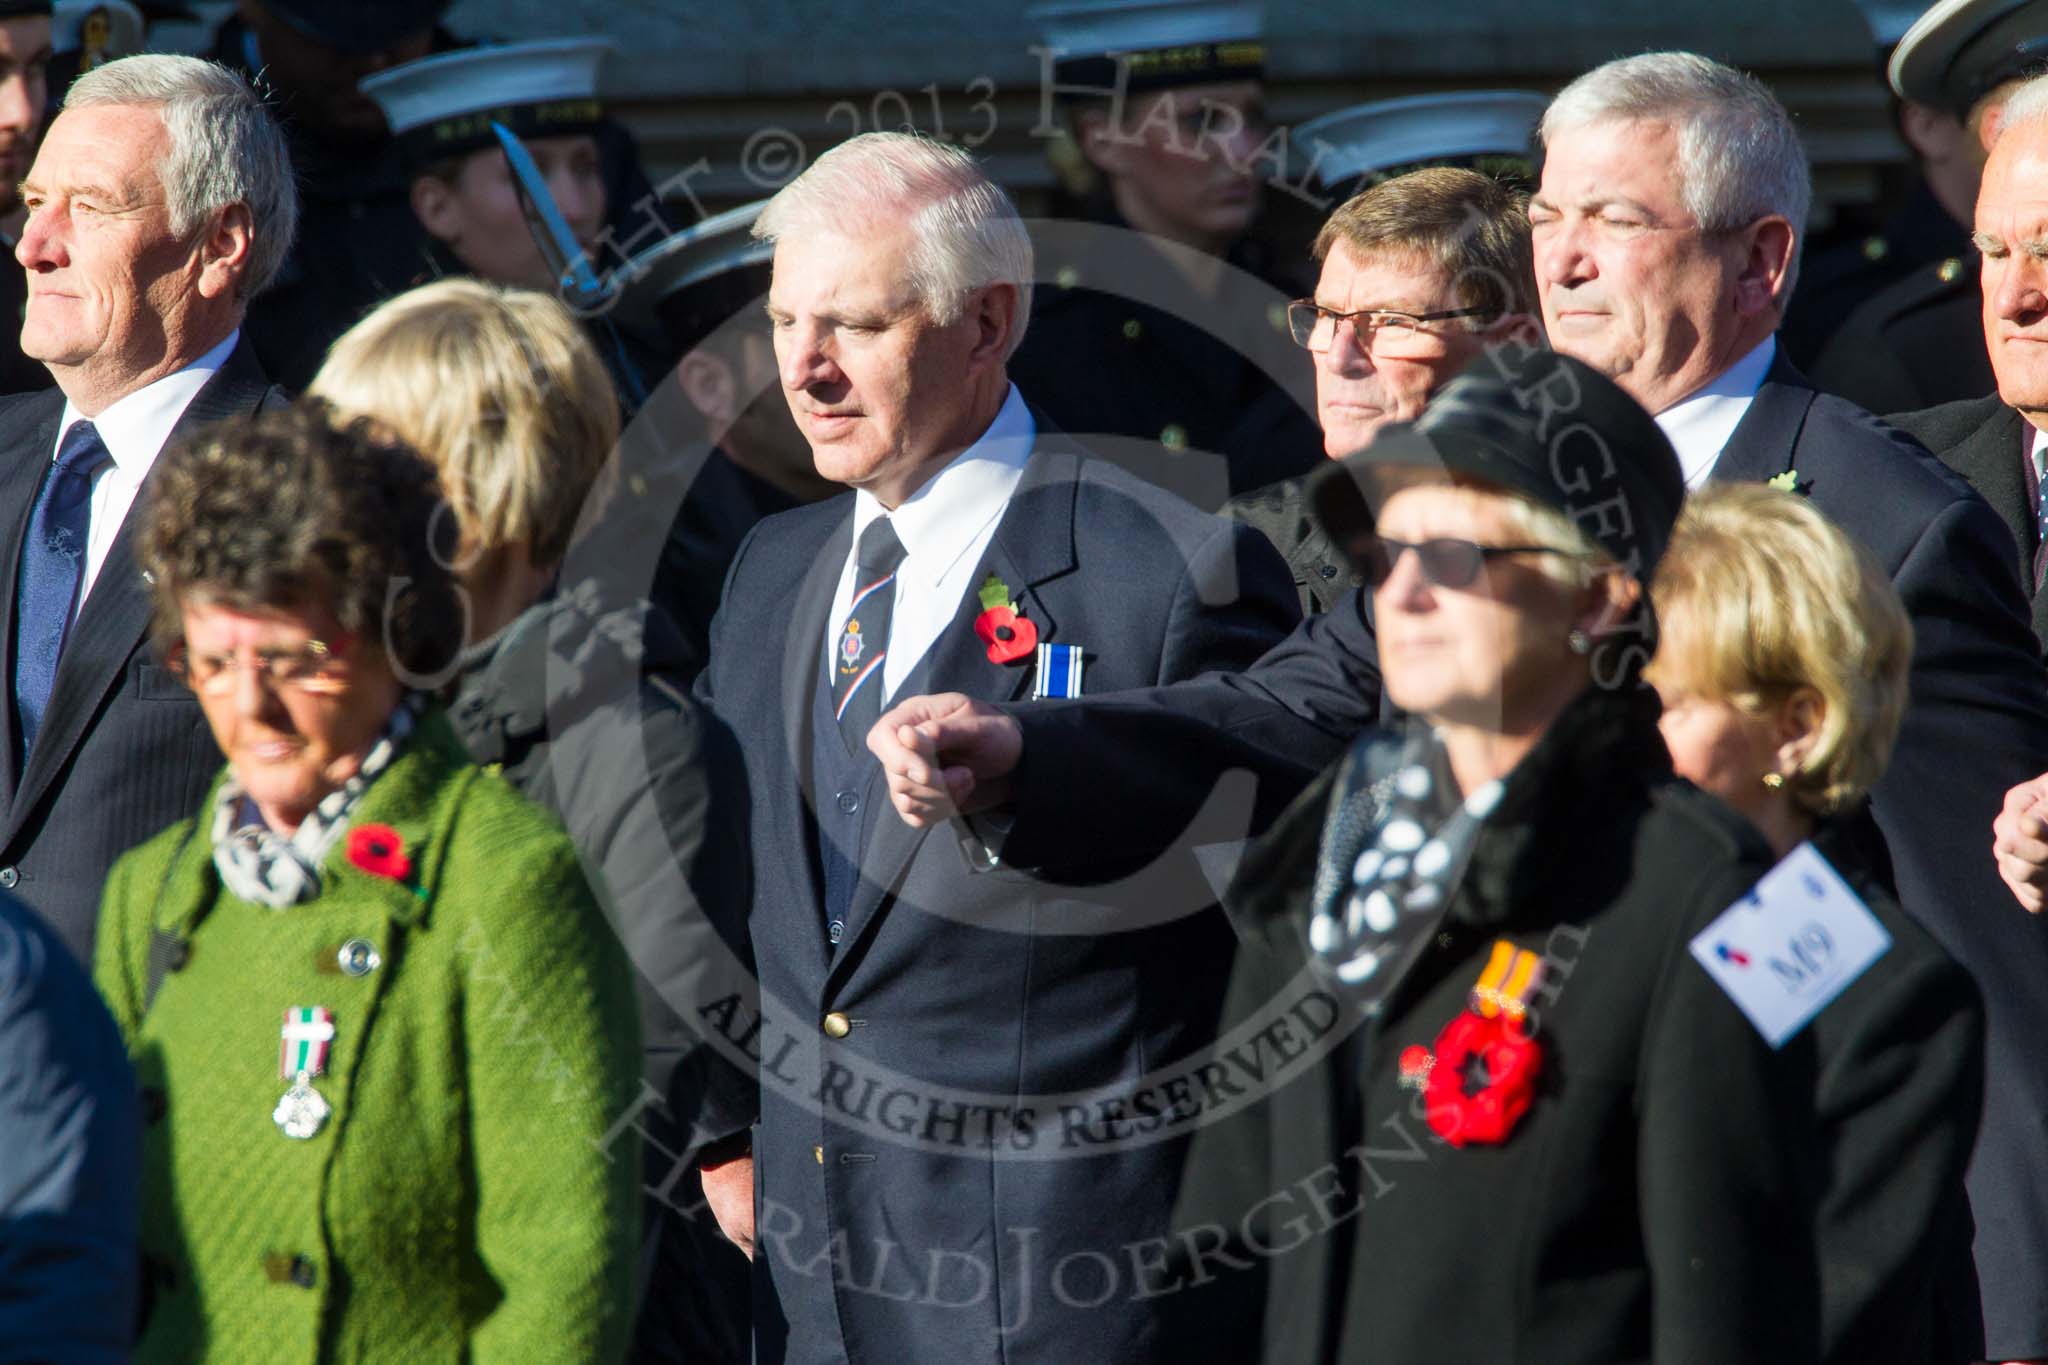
{"points": [[946, 1157]]}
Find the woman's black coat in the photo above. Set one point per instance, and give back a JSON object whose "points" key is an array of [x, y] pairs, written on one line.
{"points": [[1657, 1201]]}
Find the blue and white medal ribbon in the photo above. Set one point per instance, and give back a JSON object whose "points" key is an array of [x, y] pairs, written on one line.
{"points": [[1059, 672]]}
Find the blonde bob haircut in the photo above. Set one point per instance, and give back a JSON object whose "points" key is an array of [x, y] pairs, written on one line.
{"points": [[1759, 595], [500, 390]]}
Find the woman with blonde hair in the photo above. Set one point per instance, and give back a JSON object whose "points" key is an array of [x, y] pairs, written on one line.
{"points": [[1782, 668], [575, 693], [500, 389]]}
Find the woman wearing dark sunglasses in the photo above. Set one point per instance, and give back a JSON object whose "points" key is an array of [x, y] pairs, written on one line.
{"points": [[1541, 1130]]}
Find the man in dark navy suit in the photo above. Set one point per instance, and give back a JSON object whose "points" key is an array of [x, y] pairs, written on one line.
{"points": [[953, 1159], [1674, 287], [136, 291], [1995, 440]]}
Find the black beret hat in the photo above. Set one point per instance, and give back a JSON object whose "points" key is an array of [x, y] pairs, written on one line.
{"points": [[24, 9], [1531, 421]]}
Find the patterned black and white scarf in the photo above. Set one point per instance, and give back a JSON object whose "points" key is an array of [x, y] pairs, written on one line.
{"points": [[258, 864], [1395, 843]]}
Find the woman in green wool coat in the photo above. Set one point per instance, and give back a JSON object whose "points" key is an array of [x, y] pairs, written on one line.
{"points": [[384, 1034]]}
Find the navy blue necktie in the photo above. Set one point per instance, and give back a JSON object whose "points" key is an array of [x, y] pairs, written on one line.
{"points": [[52, 563], [864, 640]]}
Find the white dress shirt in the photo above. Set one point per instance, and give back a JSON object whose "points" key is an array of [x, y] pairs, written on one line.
{"points": [[1700, 423], [944, 526], [134, 430]]}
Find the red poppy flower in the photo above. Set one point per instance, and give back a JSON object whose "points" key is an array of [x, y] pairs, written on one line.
{"points": [[1010, 637], [1484, 1079], [378, 850]]}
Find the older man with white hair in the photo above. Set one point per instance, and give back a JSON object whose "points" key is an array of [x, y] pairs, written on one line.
{"points": [[160, 202], [960, 1143], [2000, 443], [1997, 441]]}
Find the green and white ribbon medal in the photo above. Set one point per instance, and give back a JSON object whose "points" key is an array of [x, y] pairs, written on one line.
{"points": [[308, 1035]]}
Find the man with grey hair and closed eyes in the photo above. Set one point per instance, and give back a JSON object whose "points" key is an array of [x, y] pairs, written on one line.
{"points": [[1666, 233], [160, 201], [952, 1157]]}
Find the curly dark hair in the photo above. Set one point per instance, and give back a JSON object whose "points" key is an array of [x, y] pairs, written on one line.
{"points": [[293, 509]]}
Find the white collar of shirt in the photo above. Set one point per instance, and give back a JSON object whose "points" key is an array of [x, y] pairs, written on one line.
{"points": [[1700, 423], [2037, 451], [941, 521], [136, 426], [134, 429], [944, 526]]}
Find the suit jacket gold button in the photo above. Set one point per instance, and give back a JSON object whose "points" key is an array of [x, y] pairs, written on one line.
{"points": [[837, 1025], [819, 1152]]}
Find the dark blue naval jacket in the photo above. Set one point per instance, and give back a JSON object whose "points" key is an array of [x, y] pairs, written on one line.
{"points": [[962, 1152]]}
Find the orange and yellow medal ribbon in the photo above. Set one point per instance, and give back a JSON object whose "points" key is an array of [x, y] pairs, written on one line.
{"points": [[1509, 982]]}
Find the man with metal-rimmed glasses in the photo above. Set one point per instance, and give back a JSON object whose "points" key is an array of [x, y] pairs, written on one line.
{"points": [[1383, 333], [1418, 274]]}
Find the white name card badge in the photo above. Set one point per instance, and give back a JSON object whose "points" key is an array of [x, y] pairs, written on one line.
{"points": [[1791, 945]]}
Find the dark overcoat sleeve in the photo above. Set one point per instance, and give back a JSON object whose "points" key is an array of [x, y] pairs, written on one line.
{"points": [[1136, 768], [1236, 599], [70, 1158]]}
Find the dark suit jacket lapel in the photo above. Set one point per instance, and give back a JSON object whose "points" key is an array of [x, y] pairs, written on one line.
{"points": [[20, 479], [2039, 605], [1762, 443], [116, 613], [814, 579], [1993, 458], [1033, 544], [238, 388]]}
